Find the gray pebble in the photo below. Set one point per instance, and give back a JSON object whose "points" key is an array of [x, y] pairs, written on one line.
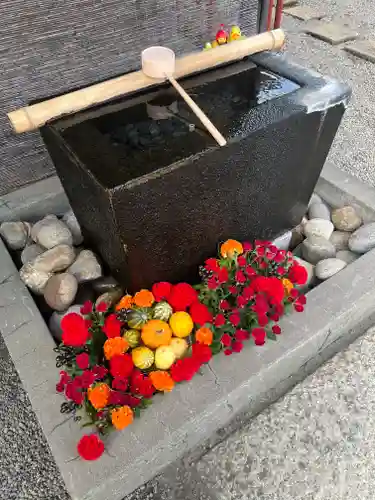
{"points": [[363, 240], [104, 284], [318, 227], [30, 252], [86, 267], [71, 221], [346, 219], [54, 323], [319, 211], [340, 240], [56, 259], [110, 298], [33, 279], [347, 256], [315, 198], [15, 234], [316, 248], [50, 232], [329, 267], [60, 291]]}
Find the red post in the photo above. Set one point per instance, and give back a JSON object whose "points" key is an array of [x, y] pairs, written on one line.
{"points": [[278, 14], [270, 15]]}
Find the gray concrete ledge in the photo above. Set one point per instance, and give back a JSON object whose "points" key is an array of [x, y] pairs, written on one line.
{"points": [[196, 415]]}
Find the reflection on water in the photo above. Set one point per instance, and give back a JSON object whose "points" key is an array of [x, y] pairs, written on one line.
{"points": [[155, 133]]}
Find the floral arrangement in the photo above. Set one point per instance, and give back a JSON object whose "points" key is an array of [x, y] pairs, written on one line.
{"points": [[115, 361]]}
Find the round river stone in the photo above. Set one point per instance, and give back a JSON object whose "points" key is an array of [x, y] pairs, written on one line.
{"points": [[340, 240], [328, 267], [56, 259], [316, 248], [35, 280], [71, 222], [319, 211], [363, 240], [60, 291], [50, 232], [318, 227], [30, 252], [15, 234], [347, 256], [86, 267], [346, 219]]}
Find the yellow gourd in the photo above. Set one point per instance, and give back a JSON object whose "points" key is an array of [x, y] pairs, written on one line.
{"points": [[164, 357], [181, 323], [179, 346], [156, 333], [143, 357]]}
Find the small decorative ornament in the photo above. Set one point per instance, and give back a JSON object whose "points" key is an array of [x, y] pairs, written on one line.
{"points": [[162, 311], [133, 337], [181, 324], [207, 46], [221, 35], [143, 357], [235, 34]]}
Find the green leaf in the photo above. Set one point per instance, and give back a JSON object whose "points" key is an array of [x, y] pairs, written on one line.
{"points": [[137, 412], [271, 335], [216, 347]]}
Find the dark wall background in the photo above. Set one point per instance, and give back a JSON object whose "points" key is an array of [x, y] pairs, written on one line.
{"points": [[48, 47]]}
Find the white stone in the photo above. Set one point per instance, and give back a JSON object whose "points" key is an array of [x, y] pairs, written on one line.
{"points": [[315, 198], [15, 234], [35, 280], [283, 242], [71, 221], [50, 232], [60, 291], [86, 267], [316, 248], [347, 256], [340, 240], [363, 240], [54, 322], [56, 259], [30, 252], [319, 211], [318, 227], [329, 267], [346, 219]]}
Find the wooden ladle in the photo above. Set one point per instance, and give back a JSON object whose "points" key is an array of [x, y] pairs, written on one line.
{"points": [[159, 62]]}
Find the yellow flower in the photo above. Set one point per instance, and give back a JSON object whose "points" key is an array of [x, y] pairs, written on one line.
{"points": [[230, 248], [288, 285]]}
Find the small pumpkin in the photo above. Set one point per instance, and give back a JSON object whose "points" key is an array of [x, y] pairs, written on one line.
{"points": [[163, 311], [143, 357], [133, 337], [181, 323], [164, 357], [156, 333], [138, 317], [179, 346]]}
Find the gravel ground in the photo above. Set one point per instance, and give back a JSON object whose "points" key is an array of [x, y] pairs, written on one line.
{"points": [[351, 151], [27, 469], [316, 443]]}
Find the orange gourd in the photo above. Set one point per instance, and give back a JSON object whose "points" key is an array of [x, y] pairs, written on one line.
{"points": [[156, 333]]}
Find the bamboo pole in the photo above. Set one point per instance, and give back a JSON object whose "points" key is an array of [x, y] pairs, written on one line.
{"points": [[32, 117]]}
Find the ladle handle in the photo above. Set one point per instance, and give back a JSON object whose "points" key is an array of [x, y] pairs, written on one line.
{"points": [[198, 112]]}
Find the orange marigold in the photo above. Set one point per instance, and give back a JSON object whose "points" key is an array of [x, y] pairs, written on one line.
{"points": [[288, 285], [122, 417], [161, 380], [144, 298], [204, 336], [98, 395], [114, 346], [125, 303], [231, 247]]}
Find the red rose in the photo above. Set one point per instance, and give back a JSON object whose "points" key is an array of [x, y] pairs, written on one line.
{"points": [[72, 392], [161, 291], [222, 275], [90, 447], [263, 265], [182, 296], [279, 257], [117, 398], [247, 247], [261, 305], [262, 320], [202, 353], [121, 384], [271, 286], [235, 319], [250, 271], [141, 384], [260, 251], [294, 293], [241, 301], [224, 305], [86, 308], [83, 360], [101, 307], [121, 365], [87, 379], [276, 329], [237, 346], [112, 326], [281, 270], [99, 372], [200, 313], [226, 340], [297, 274], [212, 283], [274, 317], [212, 265], [184, 369], [301, 300], [232, 290], [240, 277], [299, 307], [241, 261], [259, 336], [74, 330], [241, 335], [219, 320], [228, 352]]}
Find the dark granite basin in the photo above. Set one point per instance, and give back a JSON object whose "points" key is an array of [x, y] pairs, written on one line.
{"points": [[154, 194]]}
